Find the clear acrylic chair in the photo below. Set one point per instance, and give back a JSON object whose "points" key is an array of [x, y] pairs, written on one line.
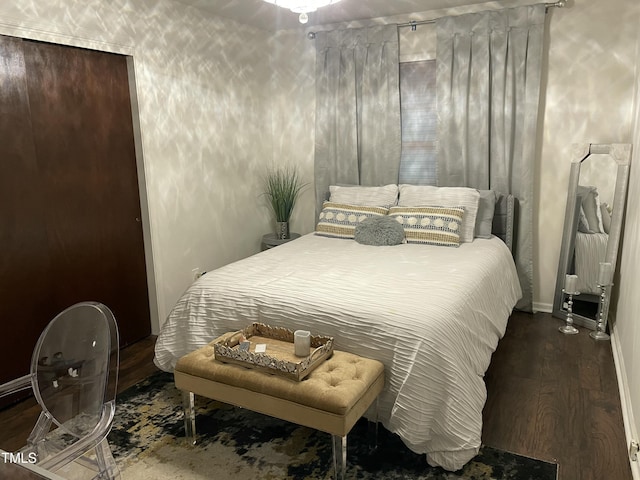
{"points": [[74, 374]]}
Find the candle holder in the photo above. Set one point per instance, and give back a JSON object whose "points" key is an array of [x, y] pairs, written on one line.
{"points": [[568, 328], [599, 333]]}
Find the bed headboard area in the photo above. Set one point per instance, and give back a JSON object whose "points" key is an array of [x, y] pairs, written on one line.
{"points": [[505, 220], [505, 214]]}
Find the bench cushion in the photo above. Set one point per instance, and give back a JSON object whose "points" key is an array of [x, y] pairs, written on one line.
{"points": [[335, 386]]}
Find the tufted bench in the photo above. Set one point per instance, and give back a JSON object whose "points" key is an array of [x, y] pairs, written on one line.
{"points": [[331, 398]]}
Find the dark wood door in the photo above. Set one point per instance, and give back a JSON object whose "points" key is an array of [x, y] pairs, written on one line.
{"points": [[70, 228], [25, 270]]}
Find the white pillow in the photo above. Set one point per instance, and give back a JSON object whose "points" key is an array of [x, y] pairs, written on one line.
{"points": [[591, 207], [385, 196], [427, 195]]}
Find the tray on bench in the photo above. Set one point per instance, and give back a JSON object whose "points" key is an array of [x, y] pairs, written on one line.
{"points": [[279, 358]]}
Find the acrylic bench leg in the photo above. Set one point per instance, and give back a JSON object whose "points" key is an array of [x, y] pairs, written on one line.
{"points": [[188, 403], [373, 445], [339, 456]]}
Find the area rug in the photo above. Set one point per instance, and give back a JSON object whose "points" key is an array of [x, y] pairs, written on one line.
{"points": [[148, 442]]}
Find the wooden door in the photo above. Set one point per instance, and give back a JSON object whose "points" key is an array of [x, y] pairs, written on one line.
{"points": [[25, 271], [70, 222]]}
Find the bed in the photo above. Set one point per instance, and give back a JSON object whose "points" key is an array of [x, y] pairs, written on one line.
{"points": [[433, 315]]}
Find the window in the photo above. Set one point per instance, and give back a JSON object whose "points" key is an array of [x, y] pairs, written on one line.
{"points": [[418, 162]]}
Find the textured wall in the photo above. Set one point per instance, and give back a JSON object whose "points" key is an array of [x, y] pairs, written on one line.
{"points": [[203, 89], [293, 105], [626, 341], [589, 97]]}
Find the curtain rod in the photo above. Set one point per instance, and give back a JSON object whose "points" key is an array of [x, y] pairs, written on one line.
{"points": [[413, 24]]}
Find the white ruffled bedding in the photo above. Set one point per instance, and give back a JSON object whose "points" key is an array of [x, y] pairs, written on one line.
{"points": [[432, 315], [590, 250]]}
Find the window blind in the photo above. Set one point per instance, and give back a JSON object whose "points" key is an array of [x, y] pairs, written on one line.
{"points": [[418, 161]]}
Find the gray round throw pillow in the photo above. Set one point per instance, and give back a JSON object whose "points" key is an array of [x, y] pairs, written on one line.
{"points": [[379, 231]]}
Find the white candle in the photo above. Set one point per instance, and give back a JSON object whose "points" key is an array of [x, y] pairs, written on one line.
{"points": [[302, 343], [570, 283], [605, 274]]}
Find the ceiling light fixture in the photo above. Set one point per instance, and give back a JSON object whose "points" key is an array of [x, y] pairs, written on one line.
{"points": [[303, 7]]}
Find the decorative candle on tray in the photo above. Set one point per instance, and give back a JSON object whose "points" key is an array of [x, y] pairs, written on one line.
{"points": [[605, 274], [570, 283], [302, 343]]}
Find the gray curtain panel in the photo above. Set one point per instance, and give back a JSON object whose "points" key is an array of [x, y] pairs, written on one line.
{"points": [[488, 87], [357, 108]]}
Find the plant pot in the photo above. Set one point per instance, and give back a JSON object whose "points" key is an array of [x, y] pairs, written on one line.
{"points": [[282, 230]]}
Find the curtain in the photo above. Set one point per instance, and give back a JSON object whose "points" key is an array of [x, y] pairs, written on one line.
{"points": [[357, 108], [488, 90]]}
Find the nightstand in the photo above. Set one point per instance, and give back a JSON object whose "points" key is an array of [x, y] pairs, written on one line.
{"points": [[270, 240]]}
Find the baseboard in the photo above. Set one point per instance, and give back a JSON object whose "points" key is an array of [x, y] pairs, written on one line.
{"points": [[542, 307], [625, 400]]}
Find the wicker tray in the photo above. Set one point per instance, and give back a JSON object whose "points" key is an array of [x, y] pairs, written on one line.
{"points": [[279, 358]]}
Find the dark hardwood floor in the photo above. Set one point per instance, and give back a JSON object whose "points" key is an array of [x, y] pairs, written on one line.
{"points": [[550, 396], [555, 397]]}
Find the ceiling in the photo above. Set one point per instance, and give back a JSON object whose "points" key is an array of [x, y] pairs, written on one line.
{"points": [[267, 16]]}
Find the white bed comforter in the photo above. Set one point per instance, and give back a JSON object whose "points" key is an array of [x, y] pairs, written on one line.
{"points": [[432, 315], [591, 249]]}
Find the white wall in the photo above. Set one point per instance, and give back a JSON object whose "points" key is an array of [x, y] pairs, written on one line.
{"points": [[203, 91], [293, 105], [626, 329]]}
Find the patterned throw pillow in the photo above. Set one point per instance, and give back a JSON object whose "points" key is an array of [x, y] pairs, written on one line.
{"points": [[426, 195], [339, 220], [430, 225]]}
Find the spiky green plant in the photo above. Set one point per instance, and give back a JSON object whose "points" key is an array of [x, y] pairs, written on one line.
{"points": [[283, 186]]}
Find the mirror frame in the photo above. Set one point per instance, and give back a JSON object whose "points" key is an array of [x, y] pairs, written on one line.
{"points": [[621, 154]]}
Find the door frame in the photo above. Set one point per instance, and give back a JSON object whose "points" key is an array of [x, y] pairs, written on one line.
{"points": [[35, 32]]}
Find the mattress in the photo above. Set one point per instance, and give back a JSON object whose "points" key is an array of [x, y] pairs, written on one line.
{"points": [[433, 316]]}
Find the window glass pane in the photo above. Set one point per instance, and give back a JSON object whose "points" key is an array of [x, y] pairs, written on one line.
{"points": [[418, 162]]}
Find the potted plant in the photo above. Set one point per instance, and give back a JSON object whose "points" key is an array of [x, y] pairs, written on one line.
{"points": [[283, 186]]}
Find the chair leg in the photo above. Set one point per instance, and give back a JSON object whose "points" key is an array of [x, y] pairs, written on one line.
{"points": [[39, 432], [339, 445], [188, 403], [107, 466]]}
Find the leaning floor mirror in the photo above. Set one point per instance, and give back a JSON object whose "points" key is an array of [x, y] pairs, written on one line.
{"points": [[591, 235]]}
